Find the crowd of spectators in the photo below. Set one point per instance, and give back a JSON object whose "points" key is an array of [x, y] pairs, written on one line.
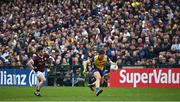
{"points": [[132, 32]]}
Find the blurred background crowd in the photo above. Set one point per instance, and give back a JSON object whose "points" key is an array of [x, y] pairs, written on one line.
{"points": [[132, 32]]}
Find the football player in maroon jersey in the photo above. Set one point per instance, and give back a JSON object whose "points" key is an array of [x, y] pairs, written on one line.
{"points": [[37, 64]]}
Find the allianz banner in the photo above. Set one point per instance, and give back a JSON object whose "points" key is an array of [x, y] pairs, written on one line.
{"points": [[145, 78], [18, 77]]}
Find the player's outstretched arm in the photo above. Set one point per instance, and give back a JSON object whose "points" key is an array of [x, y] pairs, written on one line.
{"points": [[113, 65], [85, 64], [30, 64]]}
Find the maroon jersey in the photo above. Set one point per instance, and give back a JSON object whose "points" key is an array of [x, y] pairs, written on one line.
{"points": [[40, 62]]}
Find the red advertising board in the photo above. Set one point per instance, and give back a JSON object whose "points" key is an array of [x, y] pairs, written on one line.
{"points": [[145, 78]]}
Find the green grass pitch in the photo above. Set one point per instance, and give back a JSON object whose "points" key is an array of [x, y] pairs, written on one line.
{"points": [[84, 94]]}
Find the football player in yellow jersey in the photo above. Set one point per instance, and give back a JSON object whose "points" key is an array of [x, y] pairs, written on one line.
{"points": [[95, 75]]}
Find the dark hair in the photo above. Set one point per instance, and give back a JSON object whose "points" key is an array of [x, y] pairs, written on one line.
{"points": [[101, 51], [40, 48], [30, 54]]}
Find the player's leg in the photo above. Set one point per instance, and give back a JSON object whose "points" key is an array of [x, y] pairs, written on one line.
{"points": [[37, 83], [104, 76], [42, 80], [37, 92], [91, 80], [97, 82]]}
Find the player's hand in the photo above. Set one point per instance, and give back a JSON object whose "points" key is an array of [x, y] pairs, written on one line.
{"points": [[33, 71], [85, 73]]}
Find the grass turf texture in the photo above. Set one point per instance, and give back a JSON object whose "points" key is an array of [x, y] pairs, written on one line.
{"points": [[84, 94]]}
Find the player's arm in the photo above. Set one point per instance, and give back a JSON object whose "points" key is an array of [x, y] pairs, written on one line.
{"points": [[85, 64], [30, 64], [113, 65], [109, 61], [88, 61]]}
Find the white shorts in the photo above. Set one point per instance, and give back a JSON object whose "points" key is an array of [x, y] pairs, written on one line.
{"points": [[39, 73]]}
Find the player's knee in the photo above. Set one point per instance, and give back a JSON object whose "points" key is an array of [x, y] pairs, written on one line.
{"points": [[97, 74], [44, 79], [98, 77]]}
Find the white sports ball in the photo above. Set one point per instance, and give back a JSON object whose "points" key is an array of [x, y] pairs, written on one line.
{"points": [[114, 67]]}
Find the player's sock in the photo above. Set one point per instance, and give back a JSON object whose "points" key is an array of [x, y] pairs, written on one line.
{"points": [[97, 89]]}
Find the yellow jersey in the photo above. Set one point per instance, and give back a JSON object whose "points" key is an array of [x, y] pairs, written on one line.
{"points": [[99, 64]]}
